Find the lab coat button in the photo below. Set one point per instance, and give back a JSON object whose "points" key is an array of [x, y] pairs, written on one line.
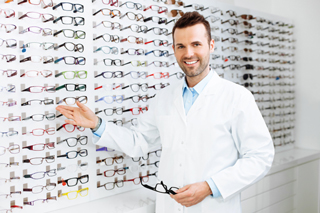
{"points": [[181, 142], [180, 164], [179, 209]]}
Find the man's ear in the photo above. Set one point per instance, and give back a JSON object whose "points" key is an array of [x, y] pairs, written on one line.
{"points": [[173, 47], [211, 45]]}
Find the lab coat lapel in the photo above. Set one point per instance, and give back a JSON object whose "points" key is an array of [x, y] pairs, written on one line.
{"points": [[209, 90], [178, 102]]}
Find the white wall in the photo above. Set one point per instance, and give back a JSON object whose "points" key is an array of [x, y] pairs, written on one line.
{"points": [[305, 15]]}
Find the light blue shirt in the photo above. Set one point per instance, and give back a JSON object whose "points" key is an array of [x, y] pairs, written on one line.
{"points": [[189, 95]]}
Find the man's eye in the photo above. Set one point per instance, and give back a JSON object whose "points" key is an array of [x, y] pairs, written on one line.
{"points": [[196, 44], [180, 47]]}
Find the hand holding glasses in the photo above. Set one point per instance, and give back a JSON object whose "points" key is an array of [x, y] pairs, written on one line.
{"points": [[161, 188]]}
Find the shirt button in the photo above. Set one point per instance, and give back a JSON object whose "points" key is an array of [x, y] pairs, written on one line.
{"points": [[179, 209], [181, 142], [180, 164]]}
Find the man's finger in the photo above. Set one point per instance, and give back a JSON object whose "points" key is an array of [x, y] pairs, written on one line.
{"points": [[62, 107], [183, 189], [68, 114], [70, 122], [182, 196], [82, 106]]}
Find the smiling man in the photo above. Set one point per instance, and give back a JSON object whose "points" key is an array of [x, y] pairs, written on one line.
{"points": [[214, 140]]}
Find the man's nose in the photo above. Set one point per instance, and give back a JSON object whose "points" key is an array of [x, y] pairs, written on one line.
{"points": [[189, 52]]}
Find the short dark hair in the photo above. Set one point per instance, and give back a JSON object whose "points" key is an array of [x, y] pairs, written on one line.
{"points": [[190, 19]]}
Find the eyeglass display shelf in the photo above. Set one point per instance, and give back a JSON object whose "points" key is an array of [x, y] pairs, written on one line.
{"points": [[135, 201], [142, 200]]}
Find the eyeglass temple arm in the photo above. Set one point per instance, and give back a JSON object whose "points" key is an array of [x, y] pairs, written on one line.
{"points": [[23, 16], [25, 59], [58, 32], [124, 28], [57, 19], [126, 63], [126, 110], [58, 5], [151, 96], [59, 74], [60, 87], [96, 38], [60, 128], [147, 19], [27, 118], [61, 45], [26, 90], [96, 12], [21, 2], [26, 161]]}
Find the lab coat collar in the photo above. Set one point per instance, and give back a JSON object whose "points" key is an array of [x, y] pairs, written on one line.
{"points": [[201, 85], [210, 89]]}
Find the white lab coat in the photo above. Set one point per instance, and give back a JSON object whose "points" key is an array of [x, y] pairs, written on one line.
{"points": [[223, 136]]}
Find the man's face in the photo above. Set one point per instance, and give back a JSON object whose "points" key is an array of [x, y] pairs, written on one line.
{"points": [[192, 50]]}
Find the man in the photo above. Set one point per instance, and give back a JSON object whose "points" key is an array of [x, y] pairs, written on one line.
{"points": [[214, 140]]}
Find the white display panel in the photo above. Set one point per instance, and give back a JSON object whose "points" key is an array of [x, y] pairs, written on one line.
{"points": [[273, 90]]}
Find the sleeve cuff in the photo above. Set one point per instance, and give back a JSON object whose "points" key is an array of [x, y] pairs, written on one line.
{"points": [[214, 189], [101, 129]]}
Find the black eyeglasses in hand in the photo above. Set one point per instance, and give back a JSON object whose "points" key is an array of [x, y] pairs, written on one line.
{"points": [[161, 188]]}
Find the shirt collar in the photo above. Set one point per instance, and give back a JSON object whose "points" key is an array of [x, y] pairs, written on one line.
{"points": [[201, 85]]}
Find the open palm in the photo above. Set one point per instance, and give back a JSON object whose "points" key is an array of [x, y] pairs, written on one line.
{"points": [[80, 116]]}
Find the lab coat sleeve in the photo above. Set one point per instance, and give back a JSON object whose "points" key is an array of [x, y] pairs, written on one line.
{"points": [[134, 141], [255, 147]]}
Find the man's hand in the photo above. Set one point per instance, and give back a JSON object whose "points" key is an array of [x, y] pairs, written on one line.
{"points": [[82, 116], [192, 194]]}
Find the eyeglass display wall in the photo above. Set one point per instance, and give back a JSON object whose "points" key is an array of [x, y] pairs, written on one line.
{"points": [[115, 56]]}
